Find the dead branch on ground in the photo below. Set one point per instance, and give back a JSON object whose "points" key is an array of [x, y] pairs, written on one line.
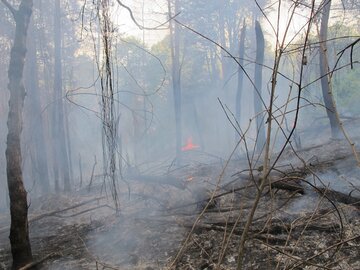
{"points": [[55, 212]]}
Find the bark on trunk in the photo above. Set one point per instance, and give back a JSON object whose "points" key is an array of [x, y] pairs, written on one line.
{"points": [[68, 142], [224, 58], [176, 77], [324, 71], [240, 75], [260, 48], [37, 127], [59, 107], [19, 231]]}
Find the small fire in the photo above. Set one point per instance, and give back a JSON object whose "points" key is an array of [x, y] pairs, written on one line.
{"points": [[189, 145]]}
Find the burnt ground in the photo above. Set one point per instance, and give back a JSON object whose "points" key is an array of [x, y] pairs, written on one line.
{"points": [[307, 219]]}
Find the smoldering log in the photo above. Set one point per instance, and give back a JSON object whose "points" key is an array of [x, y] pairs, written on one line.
{"points": [[340, 197]]}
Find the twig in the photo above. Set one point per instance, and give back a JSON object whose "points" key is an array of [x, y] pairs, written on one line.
{"points": [[327, 249], [330, 89], [182, 249], [141, 27], [351, 46], [94, 258], [292, 256], [267, 168]]}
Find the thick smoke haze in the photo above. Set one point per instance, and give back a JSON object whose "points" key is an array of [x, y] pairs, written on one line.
{"points": [[143, 89], [132, 101], [143, 97]]}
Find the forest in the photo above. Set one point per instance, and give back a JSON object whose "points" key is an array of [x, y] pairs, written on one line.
{"points": [[179, 134]]}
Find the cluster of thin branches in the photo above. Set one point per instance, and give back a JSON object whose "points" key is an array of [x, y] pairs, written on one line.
{"points": [[281, 48], [110, 119], [108, 116]]}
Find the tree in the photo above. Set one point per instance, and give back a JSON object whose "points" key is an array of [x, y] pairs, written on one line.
{"points": [[19, 230], [260, 49], [58, 124], [6, 34], [325, 70], [240, 72], [176, 72], [40, 164], [108, 113]]}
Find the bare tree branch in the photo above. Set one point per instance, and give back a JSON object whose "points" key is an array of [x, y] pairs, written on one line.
{"points": [[237, 61], [10, 7], [351, 46], [142, 27]]}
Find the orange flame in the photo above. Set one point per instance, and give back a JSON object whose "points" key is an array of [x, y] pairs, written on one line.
{"points": [[189, 145]]}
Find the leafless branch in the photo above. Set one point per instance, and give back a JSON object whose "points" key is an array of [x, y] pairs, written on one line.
{"points": [[142, 27], [229, 54], [10, 7], [351, 46]]}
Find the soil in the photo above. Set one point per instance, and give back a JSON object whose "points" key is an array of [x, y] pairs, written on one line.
{"points": [[177, 225]]}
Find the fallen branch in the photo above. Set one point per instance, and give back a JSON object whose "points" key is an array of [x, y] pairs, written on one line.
{"points": [[284, 185], [285, 228], [85, 211], [53, 213], [340, 197], [38, 262]]}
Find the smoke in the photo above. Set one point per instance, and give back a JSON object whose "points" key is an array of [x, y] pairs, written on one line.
{"points": [[153, 187]]}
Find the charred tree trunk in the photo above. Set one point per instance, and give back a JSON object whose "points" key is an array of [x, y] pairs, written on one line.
{"points": [[324, 71], [259, 61], [59, 129], [240, 74], [37, 127], [176, 75], [19, 230]]}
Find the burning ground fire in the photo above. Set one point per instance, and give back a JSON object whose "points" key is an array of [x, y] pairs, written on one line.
{"points": [[189, 145]]}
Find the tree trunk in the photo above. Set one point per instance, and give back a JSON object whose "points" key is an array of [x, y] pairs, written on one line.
{"points": [[259, 61], [37, 127], [214, 71], [68, 142], [176, 76], [19, 230], [222, 42], [240, 74], [59, 107], [324, 71]]}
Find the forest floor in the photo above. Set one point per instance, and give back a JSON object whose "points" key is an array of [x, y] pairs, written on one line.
{"points": [[308, 218]]}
